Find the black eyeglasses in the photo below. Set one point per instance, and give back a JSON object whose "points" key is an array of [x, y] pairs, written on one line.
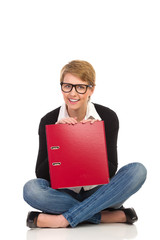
{"points": [[80, 88]]}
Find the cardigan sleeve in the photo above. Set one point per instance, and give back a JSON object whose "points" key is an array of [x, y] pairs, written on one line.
{"points": [[111, 131], [42, 166], [111, 138]]}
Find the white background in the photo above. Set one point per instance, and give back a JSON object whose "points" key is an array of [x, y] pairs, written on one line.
{"points": [[121, 39]]}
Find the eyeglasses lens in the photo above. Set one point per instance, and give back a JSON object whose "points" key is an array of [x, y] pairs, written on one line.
{"points": [[66, 87]]}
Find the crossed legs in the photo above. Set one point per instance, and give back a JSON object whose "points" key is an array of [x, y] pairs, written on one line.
{"points": [[69, 211]]}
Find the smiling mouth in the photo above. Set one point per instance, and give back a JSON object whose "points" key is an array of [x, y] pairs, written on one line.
{"points": [[73, 100]]}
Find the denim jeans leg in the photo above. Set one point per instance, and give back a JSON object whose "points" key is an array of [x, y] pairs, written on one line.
{"points": [[38, 194], [125, 183]]}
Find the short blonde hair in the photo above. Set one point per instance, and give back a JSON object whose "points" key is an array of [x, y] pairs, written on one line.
{"points": [[82, 69]]}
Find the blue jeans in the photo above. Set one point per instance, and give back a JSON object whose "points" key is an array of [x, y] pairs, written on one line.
{"points": [[87, 205]]}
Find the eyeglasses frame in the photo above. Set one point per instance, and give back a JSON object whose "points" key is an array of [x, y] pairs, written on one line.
{"points": [[74, 85]]}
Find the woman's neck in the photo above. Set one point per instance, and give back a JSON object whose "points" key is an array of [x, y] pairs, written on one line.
{"points": [[79, 113]]}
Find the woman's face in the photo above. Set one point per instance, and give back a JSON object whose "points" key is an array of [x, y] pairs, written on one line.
{"points": [[74, 100]]}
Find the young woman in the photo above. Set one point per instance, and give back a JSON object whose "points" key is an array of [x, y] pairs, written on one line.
{"points": [[94, 204]]}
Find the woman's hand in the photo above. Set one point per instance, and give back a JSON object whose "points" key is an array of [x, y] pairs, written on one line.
{"points": [[90, 120], [73, 121], [68, 120]]}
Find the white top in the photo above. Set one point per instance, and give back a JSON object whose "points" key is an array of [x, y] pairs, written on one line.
{"points": [[91, 112]]}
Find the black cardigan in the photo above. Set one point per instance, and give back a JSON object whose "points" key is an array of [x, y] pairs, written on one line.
{"points": [[111, 129]]}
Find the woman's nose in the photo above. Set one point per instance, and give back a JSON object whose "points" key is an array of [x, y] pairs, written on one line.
{"points": [[73, 91]]}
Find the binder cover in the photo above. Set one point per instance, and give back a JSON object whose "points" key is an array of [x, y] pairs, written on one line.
{"points": [[77, 154]]}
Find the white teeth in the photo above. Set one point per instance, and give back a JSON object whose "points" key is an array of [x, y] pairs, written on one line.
{"points": [[73, 100]]}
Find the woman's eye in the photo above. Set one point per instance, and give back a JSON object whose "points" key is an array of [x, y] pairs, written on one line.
{"points": [[81, 87], [67, 86]]}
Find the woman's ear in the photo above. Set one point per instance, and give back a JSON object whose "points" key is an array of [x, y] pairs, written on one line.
{"points": [[91, 92]]}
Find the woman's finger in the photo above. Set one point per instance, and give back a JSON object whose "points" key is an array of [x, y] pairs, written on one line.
{"points": [[67, 121], [89, 120]]}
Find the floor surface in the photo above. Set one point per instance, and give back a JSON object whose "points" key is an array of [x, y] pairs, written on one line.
{"points": [[105, 231], [94, 232]]}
